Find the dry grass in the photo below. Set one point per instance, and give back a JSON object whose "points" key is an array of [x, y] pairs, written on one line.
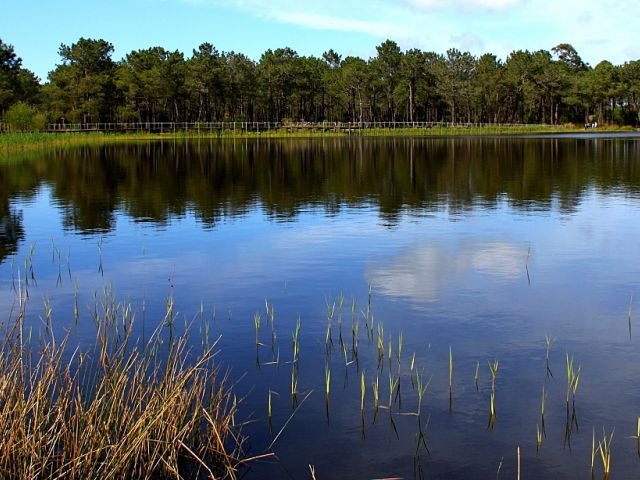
{"points": [[119, 410]]}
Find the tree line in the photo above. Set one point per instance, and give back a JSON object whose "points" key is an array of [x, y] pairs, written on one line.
{"points": [[155, 84]]}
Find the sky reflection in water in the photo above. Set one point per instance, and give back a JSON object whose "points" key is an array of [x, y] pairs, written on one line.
{"points": [[484, 245]]}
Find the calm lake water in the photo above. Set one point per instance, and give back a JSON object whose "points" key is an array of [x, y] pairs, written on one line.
{"points": [[485, 247]]}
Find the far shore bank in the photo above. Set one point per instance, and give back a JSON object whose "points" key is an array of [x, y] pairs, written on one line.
{"points": [[17, 142]]}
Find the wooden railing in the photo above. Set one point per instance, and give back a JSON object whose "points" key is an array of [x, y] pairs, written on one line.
{"points": [[213, 128], [217, 127]]}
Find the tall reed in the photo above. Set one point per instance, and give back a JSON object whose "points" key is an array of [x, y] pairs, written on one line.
{"points": [[118, 410], [573, 378], [549, 341], [604, 448], [296, 342], [422, 389], [475, 375], [450, 378], [362, 391], [493, 369]]}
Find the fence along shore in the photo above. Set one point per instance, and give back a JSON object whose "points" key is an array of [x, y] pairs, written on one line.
{"points": [[258, 127]]}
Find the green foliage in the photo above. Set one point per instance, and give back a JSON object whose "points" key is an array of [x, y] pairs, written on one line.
{"points": [[151, 85], [16, 83], [22, 117], [83, 84]]}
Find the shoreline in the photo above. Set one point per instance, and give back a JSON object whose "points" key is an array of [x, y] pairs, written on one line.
{"points": [[22, 142]]}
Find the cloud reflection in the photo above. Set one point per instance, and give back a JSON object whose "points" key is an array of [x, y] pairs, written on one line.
{"points": [[420, 273]]}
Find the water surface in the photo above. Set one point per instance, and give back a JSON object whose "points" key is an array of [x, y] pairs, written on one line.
{"points": [[485, 246]]}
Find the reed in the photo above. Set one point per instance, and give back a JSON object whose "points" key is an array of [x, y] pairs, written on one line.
{"points": [[380, 342], [362, 391], [69, 263], [629, 314], [549, 341], [355, 332], [422, 389], [345, 355], [571, 420], [573, 378], [271, 320], [475, 375], [450, 370], [604, 448], [593, 451], [492, 404], [28, 266], [393, 383], [493, 369], [100, 264], [269, 411], [375, 392], [369, 294], [48, 311], [271, 311], [543, 401], [115, 411], [169, 316], [636, 437], [296, 342], [294, 386], [421, 438], [539, 437], [330, 313], [327, 381], [256, 324]]}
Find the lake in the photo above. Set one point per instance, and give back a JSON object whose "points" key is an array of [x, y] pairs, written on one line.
{"points": [[418, 262]]}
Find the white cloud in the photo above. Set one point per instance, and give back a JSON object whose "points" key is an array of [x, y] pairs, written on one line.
{"points": [[462, 5], [328, 22], [468, 41], [491, 4], [424, 4], [597, 29]]}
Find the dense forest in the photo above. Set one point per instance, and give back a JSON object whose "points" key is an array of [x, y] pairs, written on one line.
{"points": [[154, 84]]}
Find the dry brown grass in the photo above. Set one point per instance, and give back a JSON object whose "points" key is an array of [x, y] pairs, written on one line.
{"points": [[119, 410]]}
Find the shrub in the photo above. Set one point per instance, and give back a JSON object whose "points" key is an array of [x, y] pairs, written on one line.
{"points": [[23, 117]]}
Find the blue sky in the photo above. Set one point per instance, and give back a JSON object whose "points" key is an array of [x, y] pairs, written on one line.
{"points": [[605, 29]]}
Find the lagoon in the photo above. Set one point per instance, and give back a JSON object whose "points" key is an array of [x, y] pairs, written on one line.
{"points": [[491, 248]]}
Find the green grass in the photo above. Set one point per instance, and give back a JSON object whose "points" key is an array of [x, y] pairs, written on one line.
{"points": [[16, 142]]}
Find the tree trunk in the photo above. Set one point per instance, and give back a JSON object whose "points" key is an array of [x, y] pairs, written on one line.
{"points": [[411, 101]]}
